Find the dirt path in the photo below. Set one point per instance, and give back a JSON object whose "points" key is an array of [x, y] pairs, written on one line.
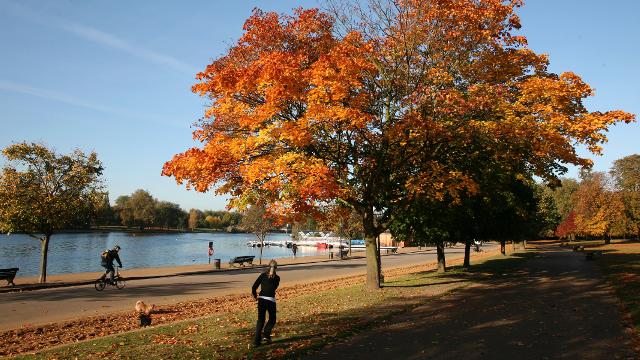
{"points": [[557, 306]]}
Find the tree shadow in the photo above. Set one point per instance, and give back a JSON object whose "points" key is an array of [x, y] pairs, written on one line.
{"points": [[395, 285], [527, 305]]}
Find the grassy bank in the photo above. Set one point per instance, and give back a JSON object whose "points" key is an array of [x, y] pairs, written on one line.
{"points": [[304, 323], [620, 262]]}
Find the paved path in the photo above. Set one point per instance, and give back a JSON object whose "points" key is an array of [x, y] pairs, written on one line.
{"points": [[556, 307], [58, 304]]}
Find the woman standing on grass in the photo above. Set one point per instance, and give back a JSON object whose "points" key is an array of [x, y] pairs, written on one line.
{"points": [[268, 282]]}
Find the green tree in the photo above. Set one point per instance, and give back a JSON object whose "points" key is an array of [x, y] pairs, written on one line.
{"points": [[142, 206], [125, 214], [42, 192], [104, 212], [547, 217], [169, 215], [424, 222], [564, 198]]}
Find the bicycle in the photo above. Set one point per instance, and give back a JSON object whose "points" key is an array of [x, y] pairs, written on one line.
{"points": [[118, 281]]}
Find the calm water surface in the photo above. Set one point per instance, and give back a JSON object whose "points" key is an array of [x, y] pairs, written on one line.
{"points": [[72, 253]]}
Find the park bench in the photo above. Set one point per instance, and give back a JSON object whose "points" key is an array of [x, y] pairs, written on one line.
{"points": [[241, 260], [9, 275]]}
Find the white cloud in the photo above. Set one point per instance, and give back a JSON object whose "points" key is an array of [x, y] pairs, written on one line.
{"points": [[100, 37], [14, 87]]}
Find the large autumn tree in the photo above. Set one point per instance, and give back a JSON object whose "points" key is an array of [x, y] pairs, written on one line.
{"points": [[307, 109], [599, 209], [42, 192]]}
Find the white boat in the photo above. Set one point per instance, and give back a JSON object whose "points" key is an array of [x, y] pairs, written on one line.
{"points": [[256, 243], [320, 239]]}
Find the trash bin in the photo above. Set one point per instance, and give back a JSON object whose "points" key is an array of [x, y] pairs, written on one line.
{"points": [[216, 263], [331, 255]]}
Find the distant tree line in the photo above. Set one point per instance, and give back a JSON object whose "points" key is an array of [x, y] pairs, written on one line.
{"points": [[141, 210], [601, 205]]}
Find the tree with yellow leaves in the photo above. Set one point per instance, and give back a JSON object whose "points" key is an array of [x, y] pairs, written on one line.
{"points": [[42, 193]]}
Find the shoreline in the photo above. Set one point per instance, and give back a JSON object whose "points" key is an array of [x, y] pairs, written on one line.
{"points": [[56, 280], [150, 231]]}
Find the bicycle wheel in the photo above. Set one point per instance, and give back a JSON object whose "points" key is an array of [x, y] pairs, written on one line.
{"points": [[100, 284], [120, 283]]}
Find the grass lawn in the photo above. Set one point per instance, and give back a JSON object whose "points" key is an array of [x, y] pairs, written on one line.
{"points": [[620, 262], [304, 323]]}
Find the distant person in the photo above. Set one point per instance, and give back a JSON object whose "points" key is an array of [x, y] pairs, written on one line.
{"points": [[107, 262], [268, 282], [477, 244], [294, 248]]}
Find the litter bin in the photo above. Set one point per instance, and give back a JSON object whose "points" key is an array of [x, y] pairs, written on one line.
{"points": [[216, 263], [331, 255]]}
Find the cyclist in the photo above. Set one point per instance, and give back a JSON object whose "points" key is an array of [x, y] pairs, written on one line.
{"points": [[107, 262]]}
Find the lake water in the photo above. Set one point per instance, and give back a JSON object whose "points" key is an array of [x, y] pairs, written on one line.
{"points": [[72, 253]]}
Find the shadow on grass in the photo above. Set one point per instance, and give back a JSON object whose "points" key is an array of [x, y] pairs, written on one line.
{"points": [[497, 266], [397, 285], [623, 271], [335, 328], [515, 315]]}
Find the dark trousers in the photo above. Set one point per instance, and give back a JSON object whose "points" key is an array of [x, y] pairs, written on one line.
{"points": [[110, 271], [263, 307]]}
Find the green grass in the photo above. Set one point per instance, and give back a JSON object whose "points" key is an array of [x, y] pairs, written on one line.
{"points": [[304, 323], [621, 264]]}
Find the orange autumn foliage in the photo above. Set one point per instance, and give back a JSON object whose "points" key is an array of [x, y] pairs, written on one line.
{"points": [[400, 103]]}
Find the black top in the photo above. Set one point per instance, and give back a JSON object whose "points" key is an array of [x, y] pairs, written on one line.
{"points": [[267, 286], [111, 255]]}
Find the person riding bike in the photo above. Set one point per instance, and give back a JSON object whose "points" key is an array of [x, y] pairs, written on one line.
{"points": [[107, 262]]}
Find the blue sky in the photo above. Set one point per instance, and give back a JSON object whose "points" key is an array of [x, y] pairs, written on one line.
{"points": [[114, 77]]}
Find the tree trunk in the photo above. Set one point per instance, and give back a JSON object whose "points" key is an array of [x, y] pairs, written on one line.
{"points": [[467, 254], [607, 240], [503, 248], [524, 244], [379, 260], [373, 263], [43, 257], [442, 267]]}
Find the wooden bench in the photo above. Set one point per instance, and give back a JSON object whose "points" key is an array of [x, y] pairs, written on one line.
{"points": [[9, 275], [241, 260]]}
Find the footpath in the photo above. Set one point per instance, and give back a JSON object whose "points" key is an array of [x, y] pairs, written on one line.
{"points": [[556, 306], [68, 280]]}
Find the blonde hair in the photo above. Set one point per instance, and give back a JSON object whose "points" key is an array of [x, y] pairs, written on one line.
{"points": [[272, 269]]}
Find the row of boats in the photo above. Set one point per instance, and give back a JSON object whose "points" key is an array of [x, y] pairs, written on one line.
{"points": [[320, 240]]}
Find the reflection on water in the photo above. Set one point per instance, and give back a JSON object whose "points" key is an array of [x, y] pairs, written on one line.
{"points": [[71, 253]]}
